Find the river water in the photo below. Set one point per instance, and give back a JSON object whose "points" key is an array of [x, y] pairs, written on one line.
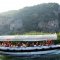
{"points": [[52, 56]]}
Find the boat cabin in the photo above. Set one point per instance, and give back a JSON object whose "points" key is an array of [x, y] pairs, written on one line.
{"points": [[27, 40]]}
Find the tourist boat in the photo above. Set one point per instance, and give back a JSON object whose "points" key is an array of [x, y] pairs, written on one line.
{"points": [[28, 51]]}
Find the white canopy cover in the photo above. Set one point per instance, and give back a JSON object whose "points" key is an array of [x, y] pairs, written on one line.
{"points": [[28, 37]]}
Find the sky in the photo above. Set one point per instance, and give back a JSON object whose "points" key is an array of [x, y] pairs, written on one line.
{"points": [[6, 5]]}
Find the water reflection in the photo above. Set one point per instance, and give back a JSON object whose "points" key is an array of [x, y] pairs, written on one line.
{"points": [[52, 56]]}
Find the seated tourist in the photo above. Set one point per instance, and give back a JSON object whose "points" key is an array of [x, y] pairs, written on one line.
{"points": [[18, 44], [43, 43], [49, 42], [24, 45], [40, 44], [0, 44], [46, 44], [14, 45], [27, 44], [32, 44], [11, 45], [36, 43]]}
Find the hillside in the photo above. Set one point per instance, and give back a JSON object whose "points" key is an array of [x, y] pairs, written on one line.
{"points": [[41, 18]]}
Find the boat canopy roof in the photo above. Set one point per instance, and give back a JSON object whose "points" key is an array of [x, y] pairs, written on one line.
{"points": [[28, 37]]}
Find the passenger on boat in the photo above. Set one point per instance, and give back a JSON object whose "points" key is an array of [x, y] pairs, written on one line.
{"points": [[23, 45], [32, 44], [18, 44], [27, 44], [46, 43], [40, 44], [37, 44], [49, 42], [43, 43], [0, 44], [13, 45]]}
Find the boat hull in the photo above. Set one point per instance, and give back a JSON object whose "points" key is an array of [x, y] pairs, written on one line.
{"points": [[26, 54], [32, 51]]}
